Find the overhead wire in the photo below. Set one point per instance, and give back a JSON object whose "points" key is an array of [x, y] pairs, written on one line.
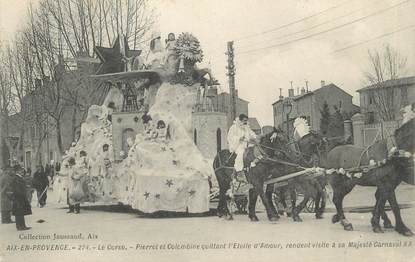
{"points": [[293, 22], [374, 38], [312, 27], [327, 30]]}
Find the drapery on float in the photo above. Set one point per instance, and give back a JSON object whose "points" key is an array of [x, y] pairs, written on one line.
{"points": [[137, 145]]}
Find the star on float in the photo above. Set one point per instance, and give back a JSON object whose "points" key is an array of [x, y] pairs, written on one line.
{"points": [[116, 58]]}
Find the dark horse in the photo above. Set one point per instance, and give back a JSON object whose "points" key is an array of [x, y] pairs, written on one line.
{"points": [[264, 155], [306, 152], [386, 178]]}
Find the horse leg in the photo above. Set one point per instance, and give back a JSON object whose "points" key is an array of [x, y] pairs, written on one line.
{"points": [[400, 227], [379, 208], [222, 208], [341, 187], [297, 209], [386, 221], [319, 197], [338, 202], [224, 180], [259, 188], [253, 196], [323, 204], [268, 195], [293, 196]]}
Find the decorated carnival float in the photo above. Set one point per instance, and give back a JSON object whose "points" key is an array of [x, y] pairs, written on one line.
{"points": [[136, 147]]}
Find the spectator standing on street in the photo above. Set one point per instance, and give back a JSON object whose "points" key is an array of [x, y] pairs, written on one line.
{"points": [[29, 185], [41, 183], [21, 206], [6, 180]]}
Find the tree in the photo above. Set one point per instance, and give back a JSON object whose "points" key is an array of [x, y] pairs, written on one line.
{"points": [[384, 65], [336, 124], [325, 118], [58, 32], [71, 28]]}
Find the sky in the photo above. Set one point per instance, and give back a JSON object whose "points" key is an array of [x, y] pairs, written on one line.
{"points": [[270, 49]]}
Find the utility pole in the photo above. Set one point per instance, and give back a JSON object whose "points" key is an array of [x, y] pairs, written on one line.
{"points": [[2, 164], [231, 77]]}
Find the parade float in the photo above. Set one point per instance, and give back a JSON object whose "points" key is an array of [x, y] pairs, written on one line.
{"points": [[136, 148]]}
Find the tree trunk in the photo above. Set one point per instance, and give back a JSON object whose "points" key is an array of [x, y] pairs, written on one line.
{"points": [[74, 111], [59, 137]]}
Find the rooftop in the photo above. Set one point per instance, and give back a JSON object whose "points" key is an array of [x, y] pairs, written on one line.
{"points": [[301, 96], [404, 81]]}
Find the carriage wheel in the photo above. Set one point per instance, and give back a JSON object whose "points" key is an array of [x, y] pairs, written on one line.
{"points": [[310, 207], [277, 203]]}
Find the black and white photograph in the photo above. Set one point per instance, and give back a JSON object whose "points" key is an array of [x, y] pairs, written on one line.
{"points": [[208, 130]]}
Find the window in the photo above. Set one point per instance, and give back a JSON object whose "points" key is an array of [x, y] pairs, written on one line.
{"points": [[218, 139], [340, 104], [370, 117], [195, 136]]}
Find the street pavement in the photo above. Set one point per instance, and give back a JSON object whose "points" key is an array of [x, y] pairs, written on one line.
{"points": [[117, 234]]}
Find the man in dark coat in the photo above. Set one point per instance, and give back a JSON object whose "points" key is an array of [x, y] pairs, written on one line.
{"points": [[21, 206], [41, 183], [5, 197]]}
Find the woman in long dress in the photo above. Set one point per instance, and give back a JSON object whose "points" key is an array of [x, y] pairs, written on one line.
{"points": [[76, 193]]}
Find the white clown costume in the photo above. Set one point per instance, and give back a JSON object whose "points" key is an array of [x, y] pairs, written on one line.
{"points": [[238, 137]]}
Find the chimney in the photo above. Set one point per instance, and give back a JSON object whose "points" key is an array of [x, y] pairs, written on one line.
{"points": [[281, 97], [323, 83], [302, 90], [306, 86], [291, 90]]}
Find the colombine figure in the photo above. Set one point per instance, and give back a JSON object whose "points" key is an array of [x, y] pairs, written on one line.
{"points": [[76, 194], [240, 137]]}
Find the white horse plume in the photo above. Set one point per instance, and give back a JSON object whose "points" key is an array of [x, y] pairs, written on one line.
{"points": [[301, 127]]}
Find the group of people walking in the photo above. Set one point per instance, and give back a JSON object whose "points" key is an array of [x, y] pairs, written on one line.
{"points": [[16, 190]]}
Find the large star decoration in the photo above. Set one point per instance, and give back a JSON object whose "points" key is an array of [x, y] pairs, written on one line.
{"points": [[146, 195], [113, 59], [192, 192]]}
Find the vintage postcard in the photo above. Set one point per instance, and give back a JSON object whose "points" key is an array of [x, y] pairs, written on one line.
{"points": [[182, 130]]}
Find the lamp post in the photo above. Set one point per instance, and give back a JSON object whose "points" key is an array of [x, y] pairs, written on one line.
{"points": [[287, 107]]}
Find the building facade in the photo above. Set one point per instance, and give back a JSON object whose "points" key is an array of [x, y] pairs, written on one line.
{"points": [[211, 120], [392, 95], [370, 125], [37, 132], [308, 104]]}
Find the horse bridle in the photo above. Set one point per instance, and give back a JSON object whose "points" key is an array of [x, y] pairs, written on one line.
{"points": [[268, 158]]}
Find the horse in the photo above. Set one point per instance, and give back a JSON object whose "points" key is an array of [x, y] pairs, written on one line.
{"points": [[386, 178], [306, 152], [265, 167], [223, 166]]}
